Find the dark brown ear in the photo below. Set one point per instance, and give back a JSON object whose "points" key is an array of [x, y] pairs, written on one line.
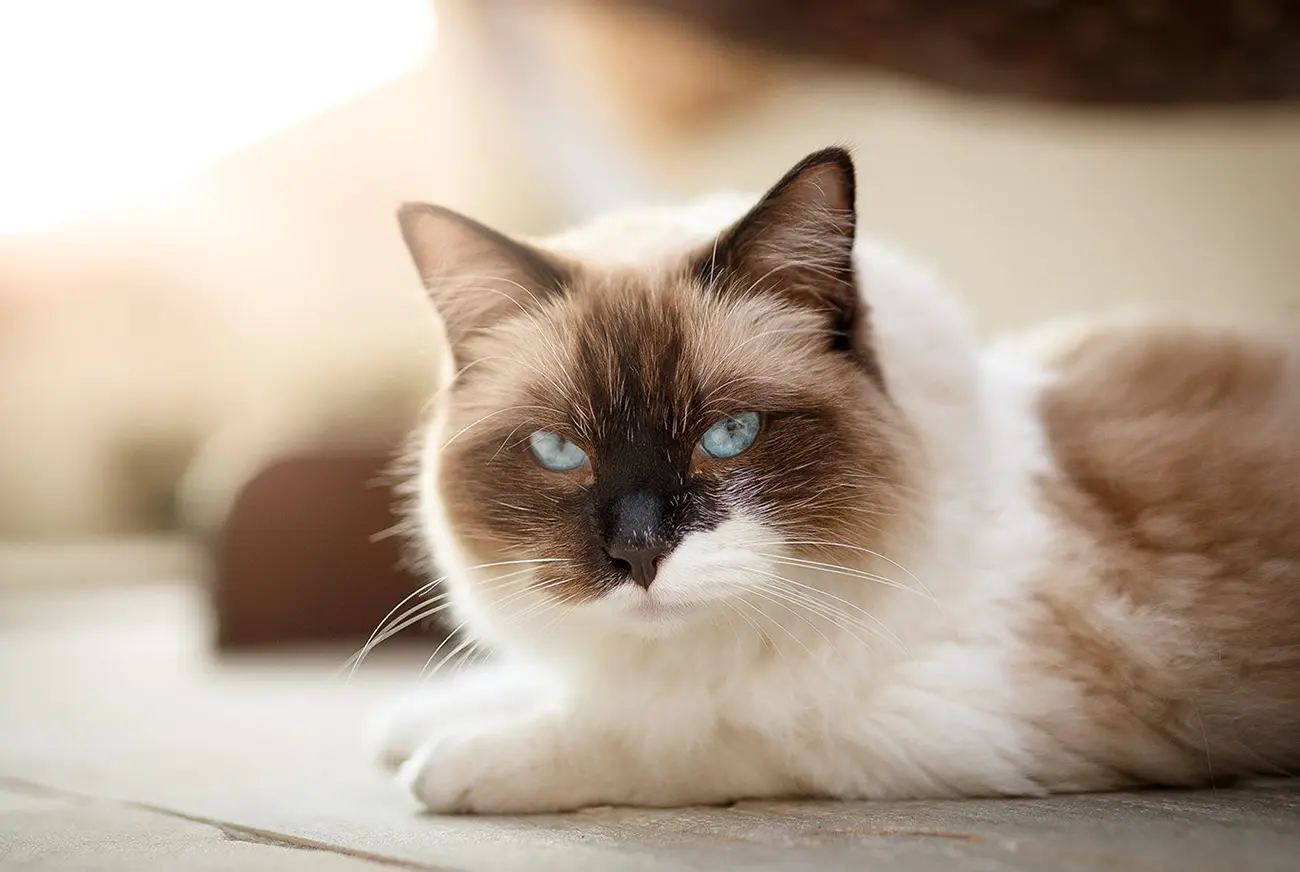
{"points": [[797, 244], [475, 275]]}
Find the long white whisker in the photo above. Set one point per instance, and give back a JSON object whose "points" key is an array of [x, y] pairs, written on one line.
{"points": [[867, 551], [771, 595], [489, 415], [809, 597], [826, 543], [848, 571], [390, 626], [836, 618], [857, 608], [465, 643]]}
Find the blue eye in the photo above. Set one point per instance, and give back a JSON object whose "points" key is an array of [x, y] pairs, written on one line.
{"points": [[731, 436], [556, 453]]}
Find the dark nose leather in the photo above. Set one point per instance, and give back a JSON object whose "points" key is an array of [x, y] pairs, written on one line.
{"points": [[642, 563], [635, 537]]}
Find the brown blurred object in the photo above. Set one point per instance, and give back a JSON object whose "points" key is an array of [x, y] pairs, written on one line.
{"points": [[307, 553], [673, 77], [1102, 51]]}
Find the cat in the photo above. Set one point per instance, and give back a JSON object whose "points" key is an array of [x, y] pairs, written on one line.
{"points": [[743, 512]]}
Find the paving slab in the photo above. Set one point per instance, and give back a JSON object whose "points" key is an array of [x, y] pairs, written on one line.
{"points": [[46, 831], [125, 742]]}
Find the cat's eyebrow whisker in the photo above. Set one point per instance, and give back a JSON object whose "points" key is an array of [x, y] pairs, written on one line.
{"points": [[502, 446], [720, 364], [506, 505], [437, 395], [489, 415], [545, 376], [524, 310]]}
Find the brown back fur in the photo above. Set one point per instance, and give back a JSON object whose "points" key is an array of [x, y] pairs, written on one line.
{"points": [[1176, 609]]}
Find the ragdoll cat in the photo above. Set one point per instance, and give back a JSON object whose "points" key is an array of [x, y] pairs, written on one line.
{"points": [[743, 512]]}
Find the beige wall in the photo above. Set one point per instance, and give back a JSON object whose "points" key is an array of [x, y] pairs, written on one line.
{"points": [[1031, 211]]}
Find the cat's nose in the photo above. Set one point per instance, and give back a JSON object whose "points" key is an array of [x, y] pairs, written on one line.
{"points": [[634, 534], [640, 562]]}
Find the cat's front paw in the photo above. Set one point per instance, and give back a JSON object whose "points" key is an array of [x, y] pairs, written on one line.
{"points": [[396, 729], [504, 768], [399, 728]]}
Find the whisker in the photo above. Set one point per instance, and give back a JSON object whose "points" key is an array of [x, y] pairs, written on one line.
{"points": [[846, 571], [832, 613], [414, 615], [867, 551], [465, 643], [383, 630], [827, 543], [772, 596], [838, 619], [491, 414]]}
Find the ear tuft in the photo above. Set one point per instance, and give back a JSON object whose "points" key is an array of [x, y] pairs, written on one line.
{"points": [[475, 275], [796, 244], [797, 241]]}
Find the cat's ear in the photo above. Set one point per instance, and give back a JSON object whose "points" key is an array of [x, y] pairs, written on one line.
{"points": [[475, 275], [797, 244]]}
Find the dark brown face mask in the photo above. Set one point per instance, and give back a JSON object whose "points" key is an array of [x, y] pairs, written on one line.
{"points": [[621, 375]]}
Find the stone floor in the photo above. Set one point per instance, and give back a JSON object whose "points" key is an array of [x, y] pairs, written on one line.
{"points": [[125, 745]]}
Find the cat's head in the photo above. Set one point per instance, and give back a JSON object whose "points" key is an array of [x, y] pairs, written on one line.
{"points": [[641, 435]]}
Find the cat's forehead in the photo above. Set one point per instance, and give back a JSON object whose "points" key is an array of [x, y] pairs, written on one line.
{"points": [[638, 334], [657, 348], [646, 237]]}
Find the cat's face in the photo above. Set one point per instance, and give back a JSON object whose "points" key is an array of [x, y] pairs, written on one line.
{"points": [[648, 443]]}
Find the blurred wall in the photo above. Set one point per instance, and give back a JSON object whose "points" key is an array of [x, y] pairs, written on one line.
{"points": [[1031, 211]]}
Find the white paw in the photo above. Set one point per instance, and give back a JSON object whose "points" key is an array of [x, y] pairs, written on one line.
{"points": [[515, 767], [396, 730]]}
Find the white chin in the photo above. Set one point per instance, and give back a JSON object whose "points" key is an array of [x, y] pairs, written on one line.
{"points": [[645, 614]]}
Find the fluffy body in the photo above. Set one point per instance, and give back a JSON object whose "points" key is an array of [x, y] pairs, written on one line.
{"points": [[1087, 578]]}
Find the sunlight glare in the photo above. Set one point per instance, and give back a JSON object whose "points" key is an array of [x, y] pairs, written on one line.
{"points": [[101, 103]]}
